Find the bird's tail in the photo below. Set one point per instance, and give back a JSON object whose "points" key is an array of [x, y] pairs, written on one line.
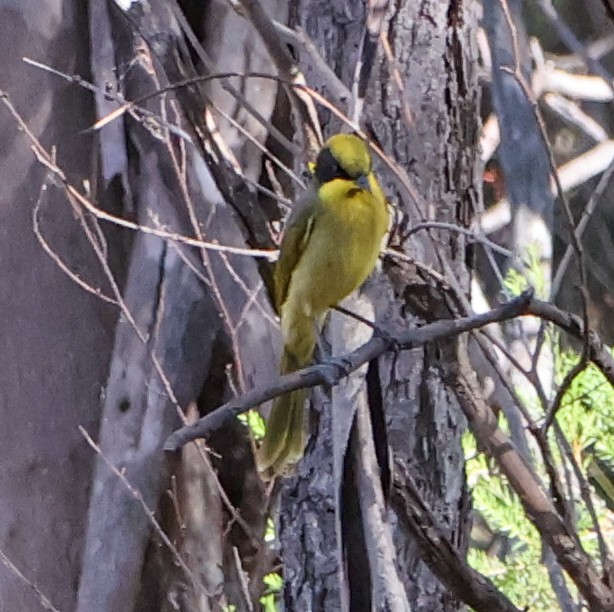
{"points": [[284, 441]]}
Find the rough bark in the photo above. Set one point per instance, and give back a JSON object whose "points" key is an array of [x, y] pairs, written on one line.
{"points": [[433, 48]]}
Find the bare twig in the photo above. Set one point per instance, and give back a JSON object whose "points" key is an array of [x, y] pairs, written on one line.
{"points": [[59, 262], [329, 373], [574, 326], [136, 494], [590, 207], [11, 567], [585, 493], [46, 159], [451, 227]]}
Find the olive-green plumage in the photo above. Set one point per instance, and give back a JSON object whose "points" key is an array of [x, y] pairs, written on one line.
{"points": [[330, 246]]}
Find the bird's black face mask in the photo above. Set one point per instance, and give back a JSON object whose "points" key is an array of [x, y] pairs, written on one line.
{"points": [[328, 168]]}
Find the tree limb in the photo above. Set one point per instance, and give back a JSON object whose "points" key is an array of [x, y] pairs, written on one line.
{"points": [[536, 503], [329, 373], [438, 553]]}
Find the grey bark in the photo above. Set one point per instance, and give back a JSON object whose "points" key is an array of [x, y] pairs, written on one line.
{"points": [[199, 316], [434, 50], [55, 337]]}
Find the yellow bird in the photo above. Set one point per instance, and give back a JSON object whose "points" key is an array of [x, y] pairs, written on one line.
{"points": [[330, 246]]}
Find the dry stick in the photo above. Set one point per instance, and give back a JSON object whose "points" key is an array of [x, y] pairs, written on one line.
{"points": [[11, 567], [266, 153], [136, 106], [331, 82], [284, 63], [584, 219], [227, 86], [401, 177], [596, 49], [151, 515], [178, 166], [604, 552], [126, 107], [460, 230], [442, 557], [242, 577], [330, 372], [574, 326], [55, 257], [525, 482], [46, 159]]}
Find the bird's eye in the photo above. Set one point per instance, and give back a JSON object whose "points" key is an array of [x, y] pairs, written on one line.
{"points": [[328, 167]]}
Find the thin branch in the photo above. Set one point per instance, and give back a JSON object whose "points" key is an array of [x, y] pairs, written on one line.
{"points": [[525, 482], [573, 325], [149, 513], [331, 372], [607, 563], [55, 257], [11, 567], [589, 209], [284, 63], [451, 227], [45, 158]]}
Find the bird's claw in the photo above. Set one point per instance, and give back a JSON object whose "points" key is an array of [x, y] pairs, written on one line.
{"points": [[343, 368]]}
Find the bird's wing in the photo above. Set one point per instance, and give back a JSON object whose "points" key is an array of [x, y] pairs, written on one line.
{"points": [[299, 227]]}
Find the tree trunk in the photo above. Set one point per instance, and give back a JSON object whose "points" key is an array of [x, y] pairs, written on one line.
{"points": [[55, 337], [433, 50]]}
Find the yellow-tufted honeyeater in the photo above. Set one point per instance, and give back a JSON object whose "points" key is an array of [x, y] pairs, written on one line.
{"points": [[330, 246]]}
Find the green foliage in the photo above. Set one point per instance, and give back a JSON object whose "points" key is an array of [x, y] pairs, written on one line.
{"points": [[532, 275], [586, 422], [254, 421], [586, 410], [274, 583]]}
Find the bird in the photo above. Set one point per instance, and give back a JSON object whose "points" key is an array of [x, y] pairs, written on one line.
{"points": [[331, 244]]}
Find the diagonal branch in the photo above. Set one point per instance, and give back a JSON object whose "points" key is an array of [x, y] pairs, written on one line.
{"points": [[525, 482], [444, 560], [330, 373]]}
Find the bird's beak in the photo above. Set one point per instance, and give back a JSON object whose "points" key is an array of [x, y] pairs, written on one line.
{"points": [[363, 182]]}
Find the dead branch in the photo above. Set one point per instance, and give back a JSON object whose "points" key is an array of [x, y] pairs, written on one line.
{"points": [[444, 560], [536, 503], [331, 372]]}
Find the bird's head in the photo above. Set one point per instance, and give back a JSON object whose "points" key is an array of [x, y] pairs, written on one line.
{"points": [[344, 156]]}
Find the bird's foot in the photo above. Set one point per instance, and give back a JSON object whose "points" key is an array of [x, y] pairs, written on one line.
{"points": [[333, 369]]}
